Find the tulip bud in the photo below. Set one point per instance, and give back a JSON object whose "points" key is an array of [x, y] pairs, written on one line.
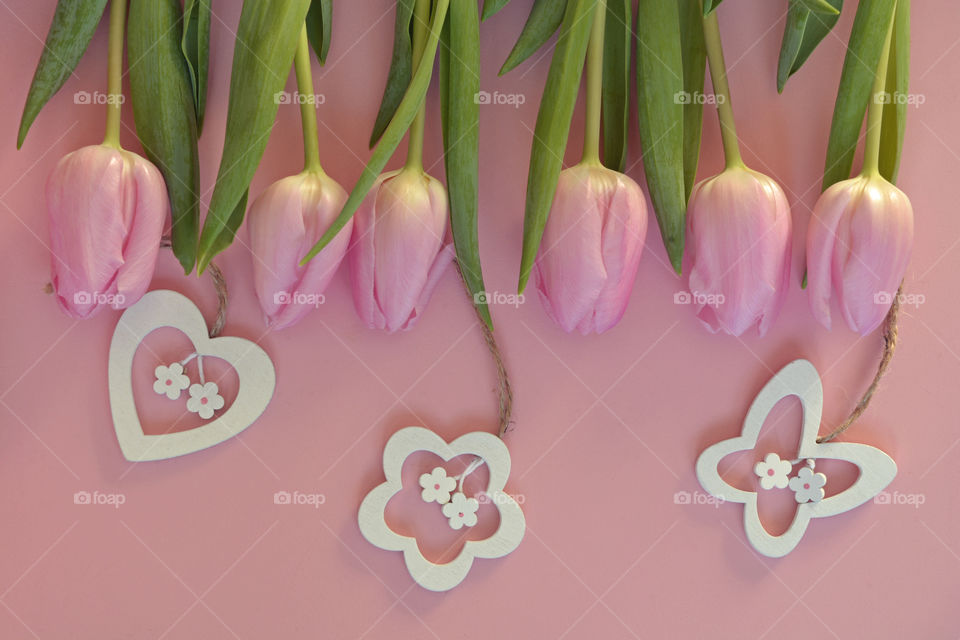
{"points": [[398, 252], [106, 209], [858, 246], [591, 248], [285, 221], [739, 233]]}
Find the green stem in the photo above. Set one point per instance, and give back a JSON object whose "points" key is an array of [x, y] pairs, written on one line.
{"points": [[871, 153], [308, 111], [721, 91], [118, 23], [591, 132], [421, 23]]}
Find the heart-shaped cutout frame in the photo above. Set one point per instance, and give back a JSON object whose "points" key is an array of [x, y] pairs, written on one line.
{"points": [[255, 371]]}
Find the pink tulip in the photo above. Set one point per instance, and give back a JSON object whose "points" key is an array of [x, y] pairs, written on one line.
{"points": [[285, 222], [106, 209], [739, 233], [398, 252], [858, 245], [591, 248]]}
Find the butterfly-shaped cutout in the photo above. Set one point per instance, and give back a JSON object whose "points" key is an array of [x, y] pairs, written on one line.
{"points": [[800, 379]]}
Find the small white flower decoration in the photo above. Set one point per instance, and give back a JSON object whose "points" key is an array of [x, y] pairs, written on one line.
{"points": [[807, 486], [170, 380], [773, 472], [461, 511], [205, 399], [437, 486]]}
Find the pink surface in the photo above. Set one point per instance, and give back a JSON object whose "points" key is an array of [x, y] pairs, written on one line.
{"points": [[607, 428]]}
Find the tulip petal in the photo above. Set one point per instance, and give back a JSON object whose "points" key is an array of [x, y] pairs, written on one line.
{"points": [[362, 261], [571, 271], [624, 234], [146, 210], [410, 229], [444, 259], [740, 229], [285, 221], [821, 246], [86, 234], [879, 228]]}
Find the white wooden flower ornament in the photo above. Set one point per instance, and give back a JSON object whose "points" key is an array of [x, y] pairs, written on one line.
{"points": [[257, 379], [877, 469], [459, 509]]}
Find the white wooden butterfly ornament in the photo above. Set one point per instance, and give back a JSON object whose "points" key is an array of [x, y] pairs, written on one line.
{"points": [[877, 469]]}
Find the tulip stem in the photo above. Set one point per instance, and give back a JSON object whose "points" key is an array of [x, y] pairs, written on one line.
{"points": [[591, 132], [118, 23], [421, 23], [871, 153], [308, 110], [721, 91]]}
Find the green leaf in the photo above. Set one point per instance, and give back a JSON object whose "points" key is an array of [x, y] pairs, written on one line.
{"points": [[195, 46], [662, 109], [805, 30], [401, 68], [869, 34], [491, 7], [694, 53], [165, 115], [267, 38], [821, 6], [709, 5], [396, 130], [616, 83], [459, 86], [553, 126], [544, 20], [225, 239], [797, 16], [319, 25], [73, 26], [898, 87]]}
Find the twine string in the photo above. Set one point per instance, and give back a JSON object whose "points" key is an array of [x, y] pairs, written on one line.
{"points": [[890, 336], [504, 388], [220, 286]]}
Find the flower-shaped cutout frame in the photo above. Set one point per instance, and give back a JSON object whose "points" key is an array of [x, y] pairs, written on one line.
{"points": [[372, 514], [877, 469]]}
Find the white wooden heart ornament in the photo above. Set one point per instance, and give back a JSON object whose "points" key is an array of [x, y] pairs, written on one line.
{"points": [[158, 309], [443, 577], [877, 469]]}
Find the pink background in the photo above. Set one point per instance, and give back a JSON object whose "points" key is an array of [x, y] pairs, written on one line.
{"points": [[607, 428]]}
